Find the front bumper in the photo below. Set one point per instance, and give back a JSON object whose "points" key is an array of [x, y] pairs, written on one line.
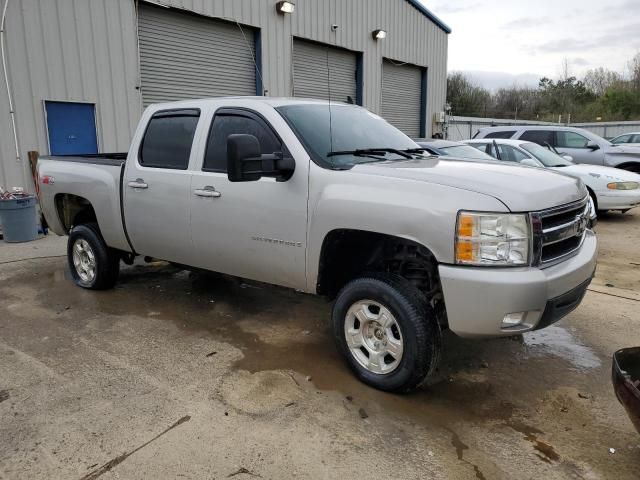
{"points": [[618, 199], [477, 299]]}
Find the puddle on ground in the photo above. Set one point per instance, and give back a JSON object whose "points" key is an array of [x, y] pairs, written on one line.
{"points": [[545, 452], [561, 343]]}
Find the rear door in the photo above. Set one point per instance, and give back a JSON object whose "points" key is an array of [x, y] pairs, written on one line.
{"points": [[253, 230], [157, 187]]}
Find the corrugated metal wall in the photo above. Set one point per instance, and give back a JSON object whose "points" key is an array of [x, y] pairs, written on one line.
{"points": [[412, 38], [190, 56], [402, 96], [86, 50], [68, 50], [310, 79]]}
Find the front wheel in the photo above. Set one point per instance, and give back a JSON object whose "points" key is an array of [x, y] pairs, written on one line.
{"points": [[387, 332], [92, 263]]}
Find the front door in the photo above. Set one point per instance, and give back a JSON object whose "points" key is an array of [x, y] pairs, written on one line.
{"points": [[157, 186], [574, 144], [253, 230]]}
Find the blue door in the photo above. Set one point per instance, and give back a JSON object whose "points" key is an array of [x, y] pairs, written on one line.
{"points": [[71, 127]]}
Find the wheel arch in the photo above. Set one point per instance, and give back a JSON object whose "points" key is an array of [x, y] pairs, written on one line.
{"points": [[347, 254], [593, 195], [74, 210], [632, 166]]}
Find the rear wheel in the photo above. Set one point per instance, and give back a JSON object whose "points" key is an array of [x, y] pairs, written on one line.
{"points": [[93, 265], [387, 332]]}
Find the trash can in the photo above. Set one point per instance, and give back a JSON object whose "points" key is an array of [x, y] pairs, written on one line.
{"points": [[18, 218]]}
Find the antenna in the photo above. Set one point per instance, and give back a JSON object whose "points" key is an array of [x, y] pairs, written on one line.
{"points": [[329, 91], [253, 57], [329, 87]]}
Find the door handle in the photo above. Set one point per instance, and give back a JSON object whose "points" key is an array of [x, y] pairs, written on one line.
{"points": [[208, 192], [138, 183]]}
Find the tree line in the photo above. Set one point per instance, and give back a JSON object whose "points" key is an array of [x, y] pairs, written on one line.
{"points": [[600, 95]]}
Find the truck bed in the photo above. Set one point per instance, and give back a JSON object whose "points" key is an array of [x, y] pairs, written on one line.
{"points": [[115, 159], [94, 179]]}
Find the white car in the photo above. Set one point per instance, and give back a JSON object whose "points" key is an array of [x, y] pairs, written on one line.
{"points": [[631, 139], [610, 188]]}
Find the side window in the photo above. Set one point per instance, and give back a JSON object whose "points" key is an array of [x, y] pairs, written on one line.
{"points": [[483, 147], [215, 158], [168, 139], [622, 139], [505, 134], [511, 154], [541, 137], [570, 140], [635, 139]]}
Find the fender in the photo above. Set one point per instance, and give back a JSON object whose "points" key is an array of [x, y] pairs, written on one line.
{"points": [[414, 210]]}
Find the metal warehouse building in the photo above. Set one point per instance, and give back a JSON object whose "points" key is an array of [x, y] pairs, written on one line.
{"points": [[80, 72]]}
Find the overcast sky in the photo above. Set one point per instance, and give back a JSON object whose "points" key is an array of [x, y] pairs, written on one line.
{"points": [[528, 39]]}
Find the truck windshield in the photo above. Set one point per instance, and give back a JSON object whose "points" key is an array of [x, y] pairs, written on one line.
{"points": [[328, 137], [546, 156]]}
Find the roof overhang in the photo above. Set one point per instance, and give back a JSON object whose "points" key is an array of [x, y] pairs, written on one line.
{"points": [[427, 13]]}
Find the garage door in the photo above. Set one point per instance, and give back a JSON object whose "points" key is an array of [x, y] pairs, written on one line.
{"points": [[310, 76], [186, 56], [402, 97]]}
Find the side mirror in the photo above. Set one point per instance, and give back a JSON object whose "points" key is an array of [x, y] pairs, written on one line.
{"points": [[529, 162], [591, 145], [245, 163]]}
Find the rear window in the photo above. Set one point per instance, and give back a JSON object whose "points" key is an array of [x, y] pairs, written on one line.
{"points": [[541, 137], [501, 134], [168, 139]]}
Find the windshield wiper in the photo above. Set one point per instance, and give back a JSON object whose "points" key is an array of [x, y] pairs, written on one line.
{"points": [[415, 150], [370, 152]]}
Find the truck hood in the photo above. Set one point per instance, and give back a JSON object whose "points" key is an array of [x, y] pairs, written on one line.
{"points": [[521, 189]]}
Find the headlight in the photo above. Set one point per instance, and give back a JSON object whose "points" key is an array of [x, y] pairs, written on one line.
{"points": [[499, 239], [623, 186]]}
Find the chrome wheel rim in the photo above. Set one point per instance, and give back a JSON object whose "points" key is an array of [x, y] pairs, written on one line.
{"points": [[84, 260], [373, 337]]}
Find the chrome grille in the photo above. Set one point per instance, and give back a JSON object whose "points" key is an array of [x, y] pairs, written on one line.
{"points": [[559, 232]]}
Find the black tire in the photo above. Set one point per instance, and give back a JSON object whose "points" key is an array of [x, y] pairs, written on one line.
{"points": [[593, 198], [107, 261], [422, 338]]}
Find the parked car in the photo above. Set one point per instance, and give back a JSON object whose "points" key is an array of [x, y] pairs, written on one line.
{"points": [[610, 188], [583, 146], [335, 202], [632, 138], [625, 375], [458, 150]]}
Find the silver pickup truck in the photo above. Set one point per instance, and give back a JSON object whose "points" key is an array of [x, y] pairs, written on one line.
{"points": [[332, 200]]}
